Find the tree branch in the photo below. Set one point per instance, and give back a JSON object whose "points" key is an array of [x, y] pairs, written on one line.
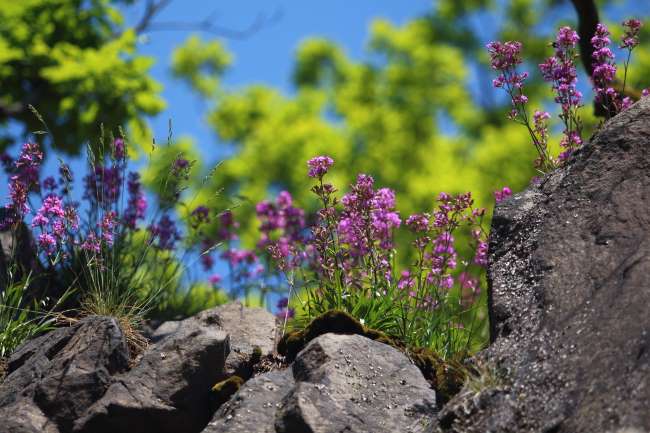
{"points": [[587, 22], [153, 8]]}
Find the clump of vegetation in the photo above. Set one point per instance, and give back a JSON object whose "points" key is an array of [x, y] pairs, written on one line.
{"points": [[117, 256], [20, 319], [560, 71], [347, 261]]}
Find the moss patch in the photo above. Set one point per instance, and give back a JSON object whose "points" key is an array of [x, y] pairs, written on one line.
{"points": [[445, 376], [222, 391]]}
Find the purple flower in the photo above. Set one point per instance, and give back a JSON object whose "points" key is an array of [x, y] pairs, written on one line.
{"points": [[238, 257], [447, 281], [604, 69], [645, 92], [444, 244], [214, 279], [480, 258], [165, 232], [418, 223], [54, 220], [181, 167], [319, 165], [560, 70], [137, 202], [502, 194], [118, 148], [107, 226], [47, 243], [504, 57], [567, 37], [282, 303], [207, 261], [284, 200], [466, 281], [631, 35], [227, 226], [49, 183], [283, 216], [200, 215], [24, 180], [405, 281], [28, 164], [103, 185], [91, 243]]}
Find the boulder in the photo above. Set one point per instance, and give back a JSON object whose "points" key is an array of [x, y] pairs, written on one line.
{"points": [[169, 389], [337, 383], [253, 408], [569, 292], [250, 330], [60, 374]]}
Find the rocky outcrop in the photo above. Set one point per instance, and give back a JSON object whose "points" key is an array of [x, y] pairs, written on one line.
{"points": [[58, 376], [569, 295], [77, 379], [568, 300], [169, 389], [337, 383]]}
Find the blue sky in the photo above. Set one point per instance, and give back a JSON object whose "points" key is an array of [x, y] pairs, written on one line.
{"points": [[264, 57]]}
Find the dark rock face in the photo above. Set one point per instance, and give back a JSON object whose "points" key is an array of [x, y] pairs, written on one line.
{"points": [[25, 417], [60, 374], [168, 391], [253, 408], [337, 383], [570, 289], [76, 379]]}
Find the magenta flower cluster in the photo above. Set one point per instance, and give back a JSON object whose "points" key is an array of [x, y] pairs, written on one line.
{"points": [[560, 70], [352, 244], [504, 57], [319, 165], [56, 222], [604, 68], [502, 194], [24, 179]]}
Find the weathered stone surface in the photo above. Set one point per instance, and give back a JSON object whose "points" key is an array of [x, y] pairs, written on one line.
{"points": [[25, 417], [248, 328], [569, 266], [168, 391], [65, 371], [253, 408], [337, 383]]}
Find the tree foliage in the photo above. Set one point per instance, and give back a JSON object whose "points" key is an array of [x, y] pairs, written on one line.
{"points": [[417, 112], [77, 64]]}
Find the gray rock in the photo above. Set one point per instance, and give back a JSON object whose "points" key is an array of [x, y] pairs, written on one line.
{"points": [[168, 391], [64, 372], [248, 328], [569, 294], [337, 383], [253, 408], [25, 417]]}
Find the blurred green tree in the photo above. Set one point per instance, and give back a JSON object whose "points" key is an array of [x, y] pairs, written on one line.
{"points": [[419, 113], [76, 62]]}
